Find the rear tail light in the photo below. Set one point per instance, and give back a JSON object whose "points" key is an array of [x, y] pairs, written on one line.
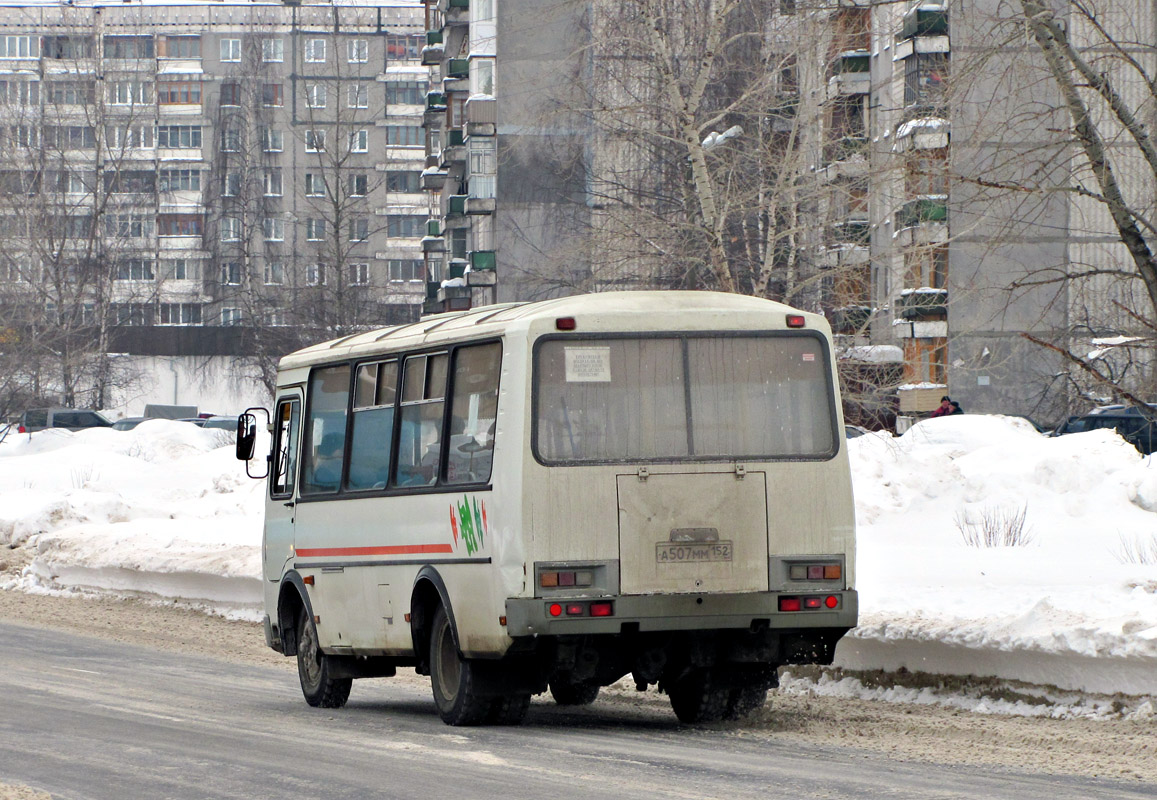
{"points": [[21, 429], [789, 604], [815, 572], [598, 608], [602, 609], [809, 603], [554, 579]]}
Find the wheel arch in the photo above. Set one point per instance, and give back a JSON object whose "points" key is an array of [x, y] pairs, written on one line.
{"points": [[428, 594], [292, 599]]}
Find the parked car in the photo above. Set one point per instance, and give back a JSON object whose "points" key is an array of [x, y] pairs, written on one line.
{"points": [[1136, 427], [73, 419], [852, 431], [200, 423], [224, 423], [127, 423]]}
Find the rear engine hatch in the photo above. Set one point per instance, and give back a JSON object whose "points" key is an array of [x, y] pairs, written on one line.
{"points": [[702, 532]]}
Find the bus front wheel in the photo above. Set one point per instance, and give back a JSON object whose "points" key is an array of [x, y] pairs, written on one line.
{"points": [[314, 669], [454, 679]]}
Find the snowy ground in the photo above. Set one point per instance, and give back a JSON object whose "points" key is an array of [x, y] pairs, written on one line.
{"points": [[164, 510]]}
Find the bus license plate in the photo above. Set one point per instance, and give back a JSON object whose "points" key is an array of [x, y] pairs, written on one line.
{"points": [[687, 552]]}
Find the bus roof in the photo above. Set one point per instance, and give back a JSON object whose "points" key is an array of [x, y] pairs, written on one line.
{"points": [[602, 311]]}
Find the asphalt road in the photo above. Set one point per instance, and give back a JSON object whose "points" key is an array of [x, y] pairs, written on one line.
{"points": [[87, 718]]}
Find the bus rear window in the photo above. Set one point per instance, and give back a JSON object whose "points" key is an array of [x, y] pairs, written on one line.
{"points": [[683, 398]]}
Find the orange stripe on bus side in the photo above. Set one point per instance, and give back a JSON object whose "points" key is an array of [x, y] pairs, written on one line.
{"points": [[384, 550]]}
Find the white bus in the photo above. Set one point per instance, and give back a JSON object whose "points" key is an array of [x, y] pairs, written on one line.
{"points": [[559, 494]]}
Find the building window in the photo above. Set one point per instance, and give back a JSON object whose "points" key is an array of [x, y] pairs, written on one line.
{"points": [[405, 226], [410, 93], [357, 51], [231, 94], [136, 269], [359, 184], [271, 95], [926, 360], [128, 47], [358, 96], [231, 184], [274, 229], [315, 229], [272, 50], [179, 180], [180, 225], [230, 49], [179, 47], [70, 93], [315, 95], [128, 226], [180, 269], [314, 51], [19, 46], [274, 273], [20, 93], [132, 313], [231, 140], [926, 81], [68, 47], [404, 47], [272, 183], [118, 137], [405, 270], [230, 316], [180, 314], [359, 274], [72, 137], [404, 136], [231, 273], [230, 229], [179, 137], [406, 182], [130, 181], [314, 185], [359, 229], [180, 93], [272, 140], [360, 141], [275, 317], [315, 141], [315, 274], [127, 93]]}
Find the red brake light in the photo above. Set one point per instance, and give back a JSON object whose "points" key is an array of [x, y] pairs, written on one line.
{"points": [[575, 610], [795, 320], [565, 323], [21, 430], [789, 604], [602, 609], [811, 602], [555, 610], [832, 601]]}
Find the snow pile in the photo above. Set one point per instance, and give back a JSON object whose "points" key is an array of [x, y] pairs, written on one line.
{"points": [[165, 510]]}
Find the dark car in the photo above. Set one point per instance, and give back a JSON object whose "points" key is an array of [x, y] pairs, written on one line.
{"points": [[127, 423], [73, 419], [1137, 427]]}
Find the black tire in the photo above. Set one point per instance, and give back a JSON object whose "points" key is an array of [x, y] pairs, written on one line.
{"points": [[314, 667], [509, 710], [453, 679], [746, 701], [574, 694], [696, 698]]}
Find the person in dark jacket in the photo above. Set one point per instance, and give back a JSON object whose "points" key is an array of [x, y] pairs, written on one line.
{"points": [[956, 409], [944, 409]]}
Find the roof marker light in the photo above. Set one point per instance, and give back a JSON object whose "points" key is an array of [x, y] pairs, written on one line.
{"points": [[565, 323], [795, 320]]}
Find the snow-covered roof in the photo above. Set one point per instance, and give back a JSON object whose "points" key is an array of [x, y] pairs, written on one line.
{"points": [[923, 124], [874, 353]]}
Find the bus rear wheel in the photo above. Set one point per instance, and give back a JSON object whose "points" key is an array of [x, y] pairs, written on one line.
{"points": [[454, 679], [697, 698], [314, 669]]}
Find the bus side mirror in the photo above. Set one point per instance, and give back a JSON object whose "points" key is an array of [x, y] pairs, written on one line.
{"points": [[246, 436]]}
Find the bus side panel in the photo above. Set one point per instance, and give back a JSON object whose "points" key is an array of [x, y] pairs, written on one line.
{"points": [[810, 510]]}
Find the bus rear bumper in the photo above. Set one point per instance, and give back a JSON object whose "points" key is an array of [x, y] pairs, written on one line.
{"points": [[682, 612]]}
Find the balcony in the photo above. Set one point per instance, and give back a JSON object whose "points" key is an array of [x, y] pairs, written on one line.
{"points": [[483, 260], [933, 208], [458, 68], [922, 304], [845, 148], [923, 133], [435, 101], [456, 207], [434, 51], [433, 179], [852, 232], [480, 205], [850, 319], [433, 242], [852, 73], [924, 21]]}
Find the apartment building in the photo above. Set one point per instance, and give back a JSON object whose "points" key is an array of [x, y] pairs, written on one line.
{"points": [[210, 179]]}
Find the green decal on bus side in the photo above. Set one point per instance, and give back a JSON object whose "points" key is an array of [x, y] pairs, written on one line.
{"points": [[469, 522]]}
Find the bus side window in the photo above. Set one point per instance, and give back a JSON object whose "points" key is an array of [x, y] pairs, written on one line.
{"points": [[373, 425], [325, 429], [420, 432], [285, 467], [473, 412]]}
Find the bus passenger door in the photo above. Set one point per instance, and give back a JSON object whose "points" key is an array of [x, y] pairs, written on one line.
{"points": [[280, 508]]}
